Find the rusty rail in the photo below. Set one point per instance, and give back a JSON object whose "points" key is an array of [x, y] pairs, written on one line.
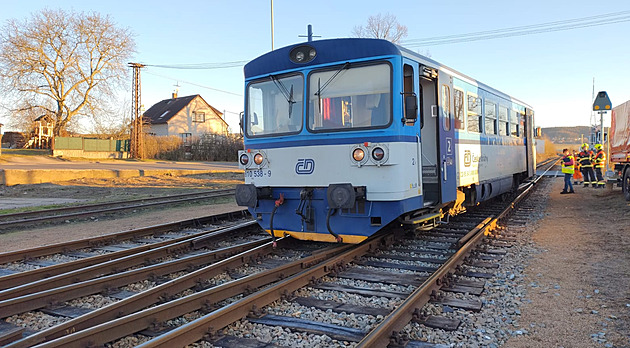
{"points": [[67, 273], [203, 300], [388, 330], [16, 219], [19, 255]]}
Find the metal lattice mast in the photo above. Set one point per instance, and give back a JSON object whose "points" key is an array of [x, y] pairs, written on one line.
{"points": [[136, 147]]}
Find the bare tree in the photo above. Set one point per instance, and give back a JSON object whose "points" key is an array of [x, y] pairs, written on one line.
{"points": [[64, 63], [382, 27]]}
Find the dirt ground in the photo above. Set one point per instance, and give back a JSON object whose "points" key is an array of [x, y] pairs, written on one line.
{"points": [[100, 190], [579, 285]]}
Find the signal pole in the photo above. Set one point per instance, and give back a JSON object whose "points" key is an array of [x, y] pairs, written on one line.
{"points": [[272, 25], [136, 147]]}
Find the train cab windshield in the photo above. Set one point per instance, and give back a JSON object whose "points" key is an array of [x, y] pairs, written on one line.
{"points": [[275, 106], [350, 98]]}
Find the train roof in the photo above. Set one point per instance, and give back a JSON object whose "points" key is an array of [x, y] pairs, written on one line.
{"points": [[335, 50]]}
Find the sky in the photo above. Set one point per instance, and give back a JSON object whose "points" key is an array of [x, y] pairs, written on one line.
{"points": [[553, 72]]}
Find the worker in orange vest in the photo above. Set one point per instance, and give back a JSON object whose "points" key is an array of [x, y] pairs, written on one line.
{"points": [[577, 173], [599, 161], [568, 164], [585, 157]]}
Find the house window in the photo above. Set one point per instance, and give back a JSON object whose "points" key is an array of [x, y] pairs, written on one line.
{"points": [[186, 137], [199, 117]]}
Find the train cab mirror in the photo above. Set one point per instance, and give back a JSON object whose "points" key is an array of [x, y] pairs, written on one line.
{"points": [[240, 122], [411, 109], [538, 132]]}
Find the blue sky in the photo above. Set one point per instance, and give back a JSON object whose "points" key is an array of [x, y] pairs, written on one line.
{"points": [[553, 71]]}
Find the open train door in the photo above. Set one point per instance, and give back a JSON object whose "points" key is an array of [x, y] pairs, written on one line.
{"points": [[446, 139], [529, 142]]}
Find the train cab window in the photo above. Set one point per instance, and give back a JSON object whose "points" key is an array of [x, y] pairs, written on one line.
{"points": [[274, 106], [474, 119], [350, 98], [491, 118], [458, 101], [503, 121], [514, 123], [446, 107]]}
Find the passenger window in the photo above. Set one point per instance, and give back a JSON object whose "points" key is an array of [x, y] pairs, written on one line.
{"points": [[513, 123], [474, 119], [503, 121], [458, 108], [491, 118], [446, 107]]}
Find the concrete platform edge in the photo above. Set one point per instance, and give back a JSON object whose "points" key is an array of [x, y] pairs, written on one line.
{"points": [[11, 177]]}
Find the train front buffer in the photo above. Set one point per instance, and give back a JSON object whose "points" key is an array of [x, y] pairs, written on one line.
{"points": [[296, 196]]}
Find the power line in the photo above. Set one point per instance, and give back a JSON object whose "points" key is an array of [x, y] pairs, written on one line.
{"points": [[205, 66], [192, 83], [598, 20]]}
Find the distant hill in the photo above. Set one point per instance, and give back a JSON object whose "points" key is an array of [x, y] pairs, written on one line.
{"points": [[566, 135]]}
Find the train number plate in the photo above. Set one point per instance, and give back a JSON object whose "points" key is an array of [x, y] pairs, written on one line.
{"points": [[258, 173]]}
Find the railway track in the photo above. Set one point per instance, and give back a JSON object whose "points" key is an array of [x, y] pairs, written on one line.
{"points": [[30, 218], [403, 268]]}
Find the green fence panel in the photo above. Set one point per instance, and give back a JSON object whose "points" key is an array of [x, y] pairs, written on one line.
{"points": [[68, 143], [96, 145]]}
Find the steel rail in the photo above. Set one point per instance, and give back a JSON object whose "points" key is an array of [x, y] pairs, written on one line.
{"points": [[115, 264], [383, 334], [44, 298], [209, 324], [203, 300], [18, 255], [114, 206], [146, 298]]}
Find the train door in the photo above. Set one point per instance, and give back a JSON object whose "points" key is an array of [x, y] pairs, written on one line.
{"points": [[438, 138], [446, 136], [410, 88], [529, 142], [428, 130]]}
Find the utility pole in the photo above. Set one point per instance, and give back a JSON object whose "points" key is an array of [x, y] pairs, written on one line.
{"points": [[272, 25], [136, 147]]}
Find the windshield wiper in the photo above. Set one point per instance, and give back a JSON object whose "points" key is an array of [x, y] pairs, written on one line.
{"points": [[288, 95], [321, 88]]}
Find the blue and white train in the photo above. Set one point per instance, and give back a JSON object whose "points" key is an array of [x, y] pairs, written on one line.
{"points": [[344, 136]]}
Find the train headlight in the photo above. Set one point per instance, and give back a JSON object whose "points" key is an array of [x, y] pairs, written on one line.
{"points": [[258, 159], [244, 159], [378, 154], [302, 54], [358, 154]]}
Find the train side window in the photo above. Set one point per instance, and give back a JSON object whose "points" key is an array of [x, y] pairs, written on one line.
{"points": [[521, 128], [513, 123], [474, 118], [446, 107], [504, 125], [491, 118], [458, 101], [407, 85]]}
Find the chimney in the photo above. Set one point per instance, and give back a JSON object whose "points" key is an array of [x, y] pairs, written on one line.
{"points": [[174, 95]]}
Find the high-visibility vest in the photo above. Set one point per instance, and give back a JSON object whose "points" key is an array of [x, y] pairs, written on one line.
{"points": [[600, 159], [567, 164], [585, 159]]}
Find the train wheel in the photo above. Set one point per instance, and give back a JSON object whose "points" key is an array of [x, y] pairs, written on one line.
{"points": [[626, 184]]}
